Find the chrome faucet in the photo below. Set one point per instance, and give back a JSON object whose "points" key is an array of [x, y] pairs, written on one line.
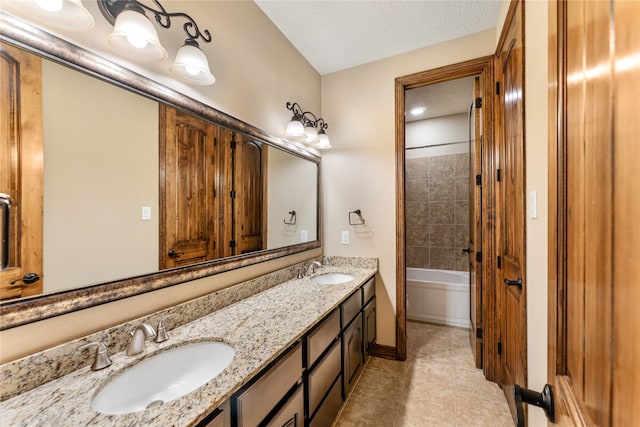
{"points": [[102, 359], [138, 337], [311, 268]]}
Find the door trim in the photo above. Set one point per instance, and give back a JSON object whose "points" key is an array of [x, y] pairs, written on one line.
{"points": [[479, 66]]}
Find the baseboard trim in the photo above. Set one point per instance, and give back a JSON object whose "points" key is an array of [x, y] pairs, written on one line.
{"points": [[383, 351]]}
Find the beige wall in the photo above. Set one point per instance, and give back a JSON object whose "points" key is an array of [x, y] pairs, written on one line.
{"points": [[290, 179], [359, 172], [100, 169], [536, 107], [257, 72]]}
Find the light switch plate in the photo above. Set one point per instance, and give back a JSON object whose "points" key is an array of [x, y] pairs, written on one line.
{"points": [[533, 205], [304, 236], [146, 213], [344, 238]]}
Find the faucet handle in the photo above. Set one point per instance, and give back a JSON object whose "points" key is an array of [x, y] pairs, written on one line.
{"points": [[102, 359], [161, 332]]}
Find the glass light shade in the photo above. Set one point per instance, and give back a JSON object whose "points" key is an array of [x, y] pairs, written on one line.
{"points": [[66, 14], [323, 141], [134, 36], [295, 129], [191, 65], [312, 134]]}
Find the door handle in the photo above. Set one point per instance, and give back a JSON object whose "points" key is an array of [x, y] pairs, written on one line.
{"points": [[517, 283], [467, 250], [28, 279], [542, 400], [174, 254]]}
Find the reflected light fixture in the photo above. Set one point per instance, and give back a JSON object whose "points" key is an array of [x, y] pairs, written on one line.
{"points": [[134, 35], [65, 14], [306, 127], [416, 111]]}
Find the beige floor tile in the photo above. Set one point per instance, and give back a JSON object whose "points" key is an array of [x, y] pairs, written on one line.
{"points": [[365, 411], [462, 357], [437, 411], [471, 382], [394, 367], [437, 386], [376, 384], [474, 412]]}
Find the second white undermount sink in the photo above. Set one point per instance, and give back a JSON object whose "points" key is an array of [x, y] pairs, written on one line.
{"points": [[331, 278], [163, 377]]}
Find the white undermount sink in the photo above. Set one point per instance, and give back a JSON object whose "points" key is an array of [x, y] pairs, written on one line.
{"points": [[163, 377], [331, 278]]}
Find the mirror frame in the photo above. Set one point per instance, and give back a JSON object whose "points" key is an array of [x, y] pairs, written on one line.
{"points": [[22, 34]]}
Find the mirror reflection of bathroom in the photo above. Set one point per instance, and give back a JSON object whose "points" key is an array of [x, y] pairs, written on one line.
{"points": [[440, 133]]}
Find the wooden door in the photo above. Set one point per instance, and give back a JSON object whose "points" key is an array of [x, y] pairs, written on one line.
{"points": [[188, 174], [510, 188], [21, 168], [475, 223], [594, 186], [248, 186]]}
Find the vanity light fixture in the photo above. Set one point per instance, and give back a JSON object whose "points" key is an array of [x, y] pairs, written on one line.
{"points": [[135, 36], [306, 127], [65, 14]]}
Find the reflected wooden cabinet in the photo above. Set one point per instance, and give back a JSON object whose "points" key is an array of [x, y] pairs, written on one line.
{"points": [[21, 172], [212, 188]]}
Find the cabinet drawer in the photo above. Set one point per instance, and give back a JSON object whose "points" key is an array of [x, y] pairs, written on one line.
{"points": [[351, 307], [329, 408], [321, 337], [368, 290], [323, 376], [292, 413], [261, 397]]}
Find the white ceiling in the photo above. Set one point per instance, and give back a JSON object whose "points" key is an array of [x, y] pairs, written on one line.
{"points": [[334, 35], [441, 99]]}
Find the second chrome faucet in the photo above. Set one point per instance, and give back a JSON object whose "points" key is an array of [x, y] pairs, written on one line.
{"points": [[138, 337]]}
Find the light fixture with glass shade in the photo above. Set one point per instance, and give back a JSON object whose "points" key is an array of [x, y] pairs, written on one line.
{"points": [[134, 35], [191, 64], [65, 14], [305, 127]]}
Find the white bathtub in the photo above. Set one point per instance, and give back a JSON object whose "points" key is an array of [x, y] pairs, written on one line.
{"points": [[438, 296]]}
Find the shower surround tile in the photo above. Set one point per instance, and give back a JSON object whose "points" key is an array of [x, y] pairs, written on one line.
{"points": [[437, 197]]}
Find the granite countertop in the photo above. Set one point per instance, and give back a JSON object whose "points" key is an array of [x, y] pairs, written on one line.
{"points": [[259, 328]]}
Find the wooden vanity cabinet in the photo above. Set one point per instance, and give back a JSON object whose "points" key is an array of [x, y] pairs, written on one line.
{"points": [[324, 370], [309, 383], [221, 417], [255, 405], [352, 354], [369, 319]]}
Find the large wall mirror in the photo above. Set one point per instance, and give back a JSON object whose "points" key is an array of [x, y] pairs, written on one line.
{"points": [[142, 189]]}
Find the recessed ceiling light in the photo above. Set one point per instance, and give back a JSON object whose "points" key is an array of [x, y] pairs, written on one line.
{"points": [[417, 111]]}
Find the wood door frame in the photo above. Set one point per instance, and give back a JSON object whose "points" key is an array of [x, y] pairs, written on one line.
{"points": [[557, 211], [479, 66]]}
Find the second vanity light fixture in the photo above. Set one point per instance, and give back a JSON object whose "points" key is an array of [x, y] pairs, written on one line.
{"points": [[306, 127], [134, 34]]}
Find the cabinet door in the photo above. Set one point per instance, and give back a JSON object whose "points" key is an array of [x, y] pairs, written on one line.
{"points": [[369, 325], [292, 413], [221, 417], [352, 352]]}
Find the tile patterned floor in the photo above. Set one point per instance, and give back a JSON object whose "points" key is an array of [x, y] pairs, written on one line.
{"points": [[438, 385]]}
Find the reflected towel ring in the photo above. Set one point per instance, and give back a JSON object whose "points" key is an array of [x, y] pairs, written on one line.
{"points": [[293, 219], [359, 213]]}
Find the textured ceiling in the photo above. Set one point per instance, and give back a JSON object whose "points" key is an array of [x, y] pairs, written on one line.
{"points": [[336, 35]]}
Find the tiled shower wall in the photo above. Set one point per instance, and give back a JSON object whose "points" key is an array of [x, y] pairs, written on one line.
{"points": [[437, 212]]}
